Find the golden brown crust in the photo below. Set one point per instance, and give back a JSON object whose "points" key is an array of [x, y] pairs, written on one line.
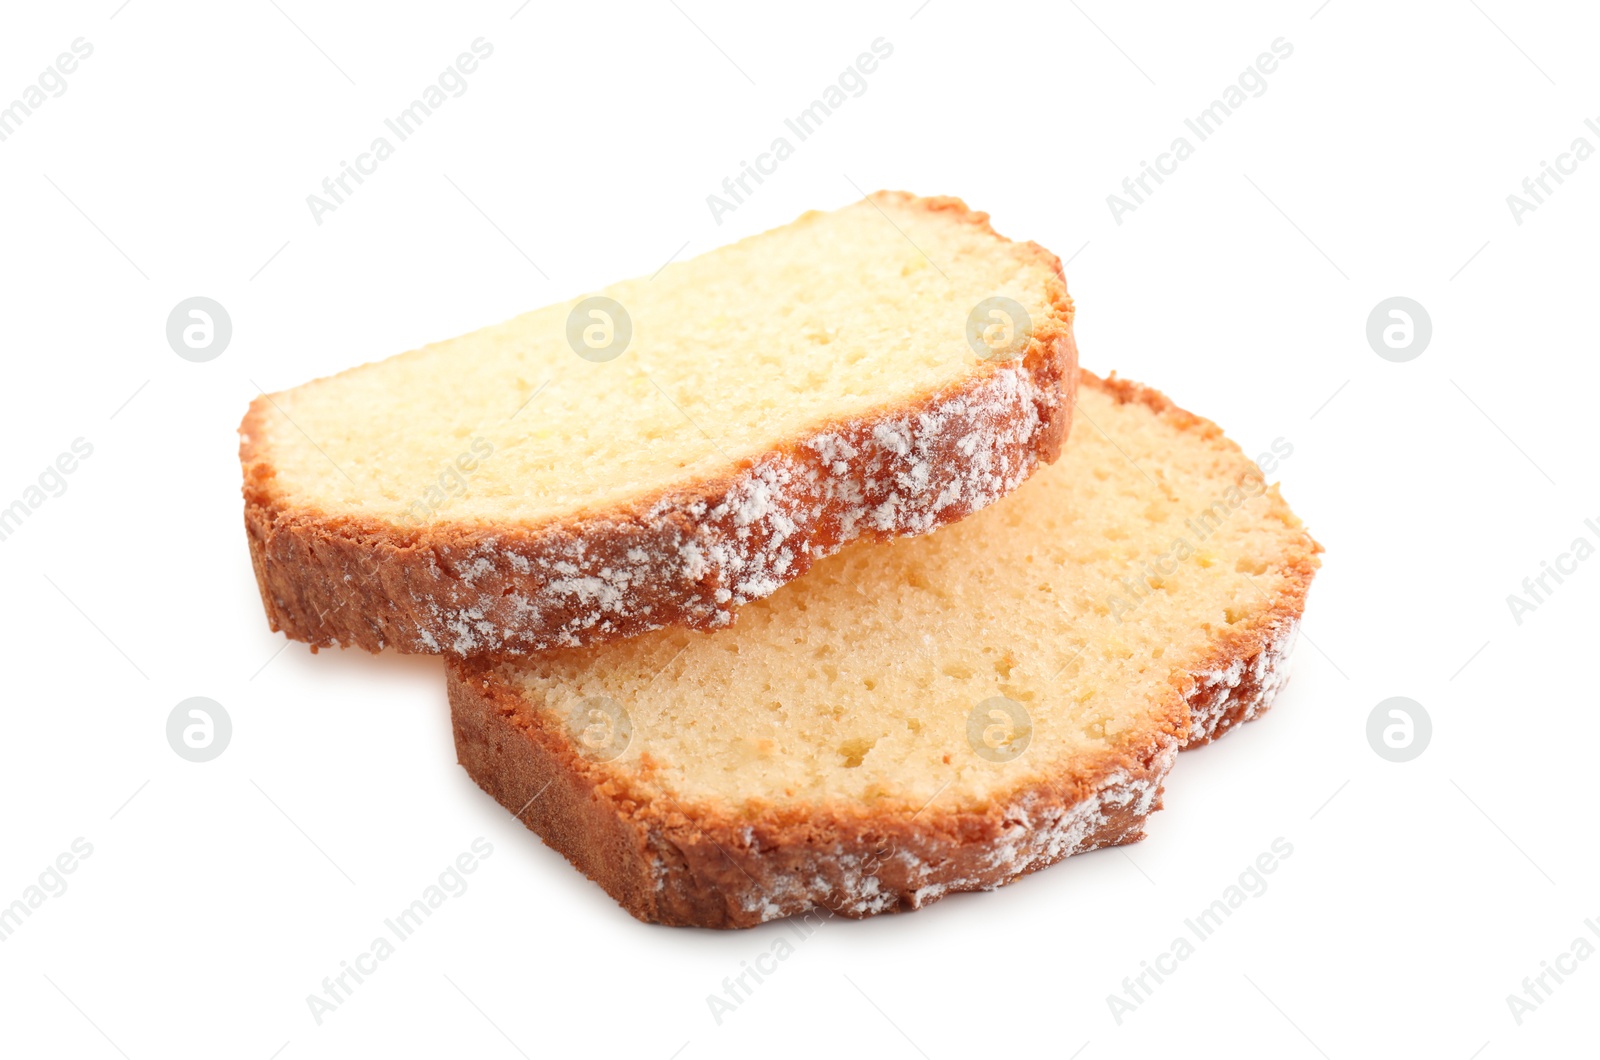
{"points": [[1243, 644], [703, 865], [684, 554], [699, 866]]}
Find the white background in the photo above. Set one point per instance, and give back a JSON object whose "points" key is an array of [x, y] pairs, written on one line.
{"points": [[1377, 163]]}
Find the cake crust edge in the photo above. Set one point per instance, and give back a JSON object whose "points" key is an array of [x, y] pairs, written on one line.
{"points": [[686, 555], [701, 866]]}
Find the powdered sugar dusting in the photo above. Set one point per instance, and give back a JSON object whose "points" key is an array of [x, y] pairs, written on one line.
{"points": [[1217, 692], [691, 558], [1036, 831]]}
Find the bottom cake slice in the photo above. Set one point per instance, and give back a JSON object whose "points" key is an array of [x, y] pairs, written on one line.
{"points": [[937, 714]]}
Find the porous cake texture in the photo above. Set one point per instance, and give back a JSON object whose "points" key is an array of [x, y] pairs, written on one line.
{"points": [[917, 716], [670, 449]]}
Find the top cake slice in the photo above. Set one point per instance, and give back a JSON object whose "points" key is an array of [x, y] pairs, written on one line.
{"points": [[668, 449]]}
